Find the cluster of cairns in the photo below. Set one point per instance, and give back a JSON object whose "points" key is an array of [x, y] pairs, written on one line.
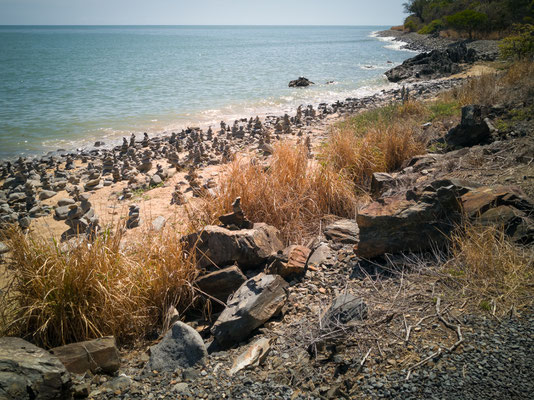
{"points": [[28, 182]]}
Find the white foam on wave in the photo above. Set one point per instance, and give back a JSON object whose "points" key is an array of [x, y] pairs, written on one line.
{"points": [[393, 43]]}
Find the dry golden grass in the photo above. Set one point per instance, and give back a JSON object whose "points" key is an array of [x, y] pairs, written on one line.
{"points": [[511, 86], [376, 141], [490, 270], [97, 288], [292, 193]]}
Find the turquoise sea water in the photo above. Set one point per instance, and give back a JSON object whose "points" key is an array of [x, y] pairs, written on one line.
{"points": [[65, 87]]}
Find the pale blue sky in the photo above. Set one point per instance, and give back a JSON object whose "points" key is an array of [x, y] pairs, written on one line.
{"points": [[206, 12]]}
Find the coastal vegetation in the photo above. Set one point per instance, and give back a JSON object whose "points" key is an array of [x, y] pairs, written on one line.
{"points": [[466, 17]]}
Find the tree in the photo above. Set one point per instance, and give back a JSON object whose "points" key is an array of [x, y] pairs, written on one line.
{"points": [[520, 45], [416, 7], [467, 21]]}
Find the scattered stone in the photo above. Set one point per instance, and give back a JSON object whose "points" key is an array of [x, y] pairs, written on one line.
{"points": [[255, 302], [253, 356], [181, 347], [289, 263]]}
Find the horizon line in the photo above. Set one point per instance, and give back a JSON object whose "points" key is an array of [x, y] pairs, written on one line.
{"points": [[192, 25]]}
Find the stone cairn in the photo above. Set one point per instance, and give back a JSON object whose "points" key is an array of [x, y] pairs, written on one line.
{"points": [[82, 218], [134, 219], [178, 197], [236, 219], [146, 162]]}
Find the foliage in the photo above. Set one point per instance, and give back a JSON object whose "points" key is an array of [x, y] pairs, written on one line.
{"points": [[520, 45], [470, 16], [467, 21]]}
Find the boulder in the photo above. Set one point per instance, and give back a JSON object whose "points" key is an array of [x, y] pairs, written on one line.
{"points": [[219, 246], [65, 202], [181, 347], [380, 182], [408, 223], [344, 231], [223, 283], [159, 223], [93, 355], [320, 255], [255, 302], [28, 372], [301, 82], [290, 263], [472, 130], [344, 309]]}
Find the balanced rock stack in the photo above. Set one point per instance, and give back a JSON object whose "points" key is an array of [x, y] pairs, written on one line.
{"points": [[94, 182], [178, 197], [236, 219], [82, 217], [134, 219], [146, 162]]}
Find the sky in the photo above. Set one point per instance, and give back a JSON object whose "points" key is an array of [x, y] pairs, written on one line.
{"points": [[201, 12]]}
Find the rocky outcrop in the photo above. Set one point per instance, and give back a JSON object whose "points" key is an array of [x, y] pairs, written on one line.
{"points": [[219, 246], [181, 347], [434, 64], [410, 222], [28, 372], [255, 302], [301, 82], [98, 355]]}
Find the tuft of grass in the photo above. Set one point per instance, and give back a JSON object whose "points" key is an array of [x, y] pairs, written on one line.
{"points": [[292, 193], [490, 269], [378, 140], [59, 295]]}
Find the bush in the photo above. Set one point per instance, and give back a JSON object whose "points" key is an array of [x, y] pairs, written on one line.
{"points": [[412, 24], [520, 45], [433, 27]]}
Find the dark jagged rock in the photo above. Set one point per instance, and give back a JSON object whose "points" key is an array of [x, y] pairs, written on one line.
{"points": [[221, 284], [434, 64], [472, 130], [236, 219], [301, 82]]}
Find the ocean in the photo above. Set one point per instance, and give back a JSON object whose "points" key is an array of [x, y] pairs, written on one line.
{"points": [[69, 86]]}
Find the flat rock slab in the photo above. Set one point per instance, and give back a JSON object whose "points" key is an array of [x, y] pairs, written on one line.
{"points": [[291, 263], [221, 284], [248, 248], [344, 231], [46, 194], [181, 347], [98, 355], [62, 212], [29, 372], [255, 302]]}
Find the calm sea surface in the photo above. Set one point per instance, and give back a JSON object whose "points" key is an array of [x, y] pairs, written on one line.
{"points": [[65, 87]]}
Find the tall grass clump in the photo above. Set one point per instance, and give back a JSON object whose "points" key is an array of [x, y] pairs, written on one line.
{"points": [[58, 295], [490, 270], [291, 193], [378, 140]]}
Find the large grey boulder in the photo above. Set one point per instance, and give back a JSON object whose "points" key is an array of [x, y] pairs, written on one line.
{"points": [[28, 372], [219, 246], [181, 347], [98, 355], [254, 303]]}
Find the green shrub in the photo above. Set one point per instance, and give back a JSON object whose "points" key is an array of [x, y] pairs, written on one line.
{"points": [[433, 27], [468, 21], [520, 45]]}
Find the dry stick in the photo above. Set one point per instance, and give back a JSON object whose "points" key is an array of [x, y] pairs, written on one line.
{"points": [[455, 328]]}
